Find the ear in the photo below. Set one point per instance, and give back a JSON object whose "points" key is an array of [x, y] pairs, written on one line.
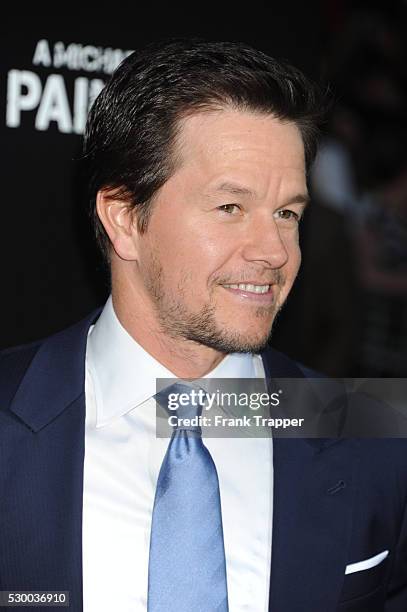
{"points": [[118, 219]]}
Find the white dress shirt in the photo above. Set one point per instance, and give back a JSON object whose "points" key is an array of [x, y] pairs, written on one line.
{"points": [[123, 457]]}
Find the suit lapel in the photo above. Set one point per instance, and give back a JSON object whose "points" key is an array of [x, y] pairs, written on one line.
{"points": [[314, 484], [55, 377]]}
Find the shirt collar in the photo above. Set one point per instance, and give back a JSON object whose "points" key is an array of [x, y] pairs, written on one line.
{"points": [[124, 374]]}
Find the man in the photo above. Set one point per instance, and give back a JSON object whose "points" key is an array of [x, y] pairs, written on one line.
{"points": [[197, 156]]}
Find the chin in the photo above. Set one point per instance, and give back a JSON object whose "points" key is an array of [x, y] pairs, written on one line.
{"points": [[259, 337], [237, 341], [255, 345]]}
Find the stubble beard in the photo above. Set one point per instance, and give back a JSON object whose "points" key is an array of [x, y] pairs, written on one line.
{"points": [[177, 322]]}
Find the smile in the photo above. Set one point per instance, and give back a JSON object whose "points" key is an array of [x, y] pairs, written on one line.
{"points": [[249, 288], [250, 293]]}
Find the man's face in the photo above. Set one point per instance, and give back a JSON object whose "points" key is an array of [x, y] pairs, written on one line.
{"points": [[221, 251]]}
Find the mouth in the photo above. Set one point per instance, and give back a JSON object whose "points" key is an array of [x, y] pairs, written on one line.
{"points": [[249, 291]]}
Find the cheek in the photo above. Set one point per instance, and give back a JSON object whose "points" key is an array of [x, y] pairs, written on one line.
{"points": [[185, 263], [176, 238], [194, 247]]}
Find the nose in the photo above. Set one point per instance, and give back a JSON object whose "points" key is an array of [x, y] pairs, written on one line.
{"points": [[267, 243]]}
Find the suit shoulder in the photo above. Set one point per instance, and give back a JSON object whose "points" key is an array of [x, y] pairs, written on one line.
{"points": [[279, 364]]}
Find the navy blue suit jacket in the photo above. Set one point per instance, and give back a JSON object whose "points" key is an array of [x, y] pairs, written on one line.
{"points": [[336, 502]]}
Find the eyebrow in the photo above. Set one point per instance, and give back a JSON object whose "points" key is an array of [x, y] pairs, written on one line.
{"points": [[300, 198], [234, 189]]}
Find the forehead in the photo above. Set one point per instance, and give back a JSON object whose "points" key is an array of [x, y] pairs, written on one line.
{"points": [[250, 142]]}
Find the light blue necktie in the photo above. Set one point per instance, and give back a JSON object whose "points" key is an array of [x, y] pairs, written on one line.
{"points": [[187, 567]]}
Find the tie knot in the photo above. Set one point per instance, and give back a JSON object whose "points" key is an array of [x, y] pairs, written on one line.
{"points": [[184, 401]]}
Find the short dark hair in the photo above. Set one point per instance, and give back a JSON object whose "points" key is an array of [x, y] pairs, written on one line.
{"points": [[133, 124]]}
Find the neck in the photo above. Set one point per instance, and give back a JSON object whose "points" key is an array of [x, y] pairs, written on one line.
{"points": [[184, 358]]}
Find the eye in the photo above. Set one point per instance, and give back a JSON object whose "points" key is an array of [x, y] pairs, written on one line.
{"points": [[229, 208], [288, 215]]}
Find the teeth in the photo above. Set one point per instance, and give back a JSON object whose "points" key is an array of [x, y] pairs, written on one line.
{"points": [[250, 288]]}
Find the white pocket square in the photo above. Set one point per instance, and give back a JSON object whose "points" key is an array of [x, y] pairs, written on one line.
{"points": [[360, 566]]}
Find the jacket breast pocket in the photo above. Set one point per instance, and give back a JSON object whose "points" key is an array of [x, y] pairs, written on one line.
{"points": [[364, 577]]}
